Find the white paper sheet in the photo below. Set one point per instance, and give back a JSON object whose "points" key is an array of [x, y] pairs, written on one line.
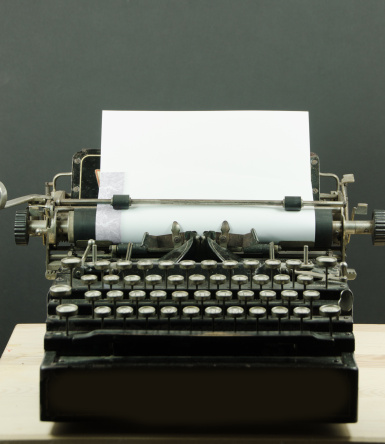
{"points": [[205, 155]]}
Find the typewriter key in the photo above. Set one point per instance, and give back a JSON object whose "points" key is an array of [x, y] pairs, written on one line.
{"points": [[281, 279], [60, 291], [246, 296], [125, 312], [102, 312], [169, 312], [326, 262], [157, 296], [131, 280], [145, 265], [289, 295], [114, 296], [292, 265], [239, 279], [311, 295], [201, 296], [92, 296], [301, 313], [213, 312], [235, 312], [279, 312], [209, 265], [330, 311], [267, 296], [257, 313], [179, 296], [196, 279], [223, 295], [217, 279], [67, 311], [305, 280], [272, 264], [137, 295], [175, 279], [89, 279], [146, 312], [191, 312], [153, 279], [252, 265], [102, 266], [110, 279], [123, 265], [187, 265], [165, 265], [71, 262], [230, 265], [261, 280]]}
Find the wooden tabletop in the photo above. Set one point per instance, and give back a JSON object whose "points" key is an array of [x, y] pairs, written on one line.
{"points": [[19, 403]]}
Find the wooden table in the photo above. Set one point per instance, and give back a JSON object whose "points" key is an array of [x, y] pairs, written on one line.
{"points": [[19, 403]]}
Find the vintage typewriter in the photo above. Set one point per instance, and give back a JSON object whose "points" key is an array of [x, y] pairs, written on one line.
{"points": [[188, 328]]}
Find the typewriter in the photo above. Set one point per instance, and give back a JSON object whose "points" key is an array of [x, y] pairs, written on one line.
{"points": [[188, 328]]}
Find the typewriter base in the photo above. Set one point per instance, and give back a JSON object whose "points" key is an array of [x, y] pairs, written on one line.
{"points": [[186, 391]]}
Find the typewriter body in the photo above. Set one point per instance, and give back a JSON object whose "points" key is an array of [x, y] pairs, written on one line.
{"points": [[187, 328]]}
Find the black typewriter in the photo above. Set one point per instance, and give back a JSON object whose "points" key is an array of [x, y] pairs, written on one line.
{"points": [[186, 328]]}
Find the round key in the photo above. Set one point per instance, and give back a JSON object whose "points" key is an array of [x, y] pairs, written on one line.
{"points": [[145, 265], [153, 279], [102, 312], [213, 312], [60, 291], [281, 279], [267, 296], [251, 265], [165, 265], [231, 266], [330, 311], [157, 296], [301, 313], [89, 279], [209, 265], [187, 265], [196, 279], [102, 266], [217, 279], [146, 312], [235, 313], [131, 280], [179, 296], [326, 262], [261, 280], [223, 296], [279, 312], [114, 296], [257, 313], [239, 279], [123, 265], [93, 296], [289, 296], [292, 265], [311, 295], [110, 279], [67, 311], [305, 280], [201, 296], [246, 296], [71, 262], [272, 264], [136, 296], [191, 312], [175, 280], [125, 312], [168, 312]]}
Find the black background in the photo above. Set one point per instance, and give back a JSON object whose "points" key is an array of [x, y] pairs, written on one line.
{"points": [[63, 62]]}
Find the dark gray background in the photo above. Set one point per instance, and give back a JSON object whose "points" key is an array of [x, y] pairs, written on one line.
{"points": [[63, 62]]}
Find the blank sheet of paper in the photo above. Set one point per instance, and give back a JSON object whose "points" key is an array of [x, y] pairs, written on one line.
{"points": [[205, 155]]}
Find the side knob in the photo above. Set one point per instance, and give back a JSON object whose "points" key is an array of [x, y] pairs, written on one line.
{"points": [[378, 234], [21, 227]]}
